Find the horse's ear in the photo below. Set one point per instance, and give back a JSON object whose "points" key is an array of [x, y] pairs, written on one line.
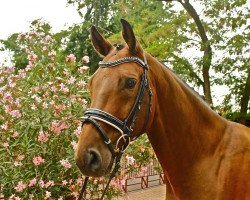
{"points": [[101, 45], [129, 37]]}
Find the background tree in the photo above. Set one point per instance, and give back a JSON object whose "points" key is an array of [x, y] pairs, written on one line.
{"points": [[229, 25], [200, 27], [170, 34]]}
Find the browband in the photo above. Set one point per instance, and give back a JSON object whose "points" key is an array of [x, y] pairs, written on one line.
{"points": [[144, 64]]}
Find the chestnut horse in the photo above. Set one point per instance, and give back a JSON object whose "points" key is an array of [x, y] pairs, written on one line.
{"points": [[203, 155]]}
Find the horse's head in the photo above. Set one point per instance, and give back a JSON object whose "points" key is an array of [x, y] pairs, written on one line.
{"points": [[120, 103]]}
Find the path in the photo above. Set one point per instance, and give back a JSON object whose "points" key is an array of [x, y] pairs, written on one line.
{"points": [[153, 193]]}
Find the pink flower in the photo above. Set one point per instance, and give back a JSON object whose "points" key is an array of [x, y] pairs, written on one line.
{"points": [[31, 196], [79, 181], [70, 58], [64, 182], [74, 144], [15, 134], [29, 67], [130, 160], [21, 73], [44, 49], [10, 69], [66, 72], [83, 69], [49, 183], [45, 105], [12, 84], [20, 157], [75, 194], [71, 80], [1, 79], [47, 194], [115, 183], [85, 59], [63, 88], [15, 114], [32, 182], [5, 126], [65, 163], [16, 164], [33, 106], [144, 170], [52, 54], [41, 183], [6, 145], [78, 130], [20, 187], [81, 83], [7, 108], [142, 149], [57, 127], [38, 160], [43, 137], [7, 97], [123, 182], [60, 198], [47, 39], [14, 197], [32, 57]]}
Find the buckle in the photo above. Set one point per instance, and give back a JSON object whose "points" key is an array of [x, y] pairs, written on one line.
{"points": [[108, 142]]}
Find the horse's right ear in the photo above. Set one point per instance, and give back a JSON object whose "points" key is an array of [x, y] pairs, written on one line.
{"points": [[101, 45]]}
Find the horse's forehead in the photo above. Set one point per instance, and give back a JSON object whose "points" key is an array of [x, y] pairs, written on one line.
{"points": [[118, 53], [116, 72]]}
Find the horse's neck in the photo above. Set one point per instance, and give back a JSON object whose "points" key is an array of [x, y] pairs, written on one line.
{"points": [[184, 129]]}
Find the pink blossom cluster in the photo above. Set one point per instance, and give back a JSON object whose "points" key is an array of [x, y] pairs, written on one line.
{"points": [[43, 137], [32, 182], [20, 186], [70, 58], [46, 185], [65, 163], [37, 160], [14, 197], [58, 126], [130, 160], [83, 69], [85, 59]]}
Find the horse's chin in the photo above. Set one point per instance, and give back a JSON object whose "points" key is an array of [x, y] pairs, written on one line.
{"points": [[96, 174]]}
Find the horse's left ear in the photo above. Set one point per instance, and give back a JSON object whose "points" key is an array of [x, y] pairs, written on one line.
{"points": [[129, 37]]}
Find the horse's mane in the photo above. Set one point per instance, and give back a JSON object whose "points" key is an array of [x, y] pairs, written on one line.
{"points": [[184, 82]]}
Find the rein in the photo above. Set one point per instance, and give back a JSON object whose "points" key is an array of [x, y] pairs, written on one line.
{"points": [[125, 127]]}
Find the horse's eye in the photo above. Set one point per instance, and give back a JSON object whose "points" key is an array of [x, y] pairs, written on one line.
{"points": [[130, 83]]}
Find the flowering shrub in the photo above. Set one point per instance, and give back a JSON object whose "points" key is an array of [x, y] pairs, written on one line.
{"points": [[40, 107]]}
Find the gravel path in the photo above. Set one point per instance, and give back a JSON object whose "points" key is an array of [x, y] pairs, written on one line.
{"points": [[153, 193]]}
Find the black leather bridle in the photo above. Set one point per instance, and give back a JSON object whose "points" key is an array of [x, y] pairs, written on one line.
{"points": [[125, 127]]}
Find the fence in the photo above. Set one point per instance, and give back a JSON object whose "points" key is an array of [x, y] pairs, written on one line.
{"points": [[149, 176], [140, 178]]}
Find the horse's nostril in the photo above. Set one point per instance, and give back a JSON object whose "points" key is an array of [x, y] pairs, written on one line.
{"points": [[94, 160]]}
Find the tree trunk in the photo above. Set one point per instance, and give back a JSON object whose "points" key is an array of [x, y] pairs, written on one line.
{"points": [[207, 57], [245, 100]]}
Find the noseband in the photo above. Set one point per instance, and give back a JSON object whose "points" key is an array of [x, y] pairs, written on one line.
{"points": [[124, 127]]}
